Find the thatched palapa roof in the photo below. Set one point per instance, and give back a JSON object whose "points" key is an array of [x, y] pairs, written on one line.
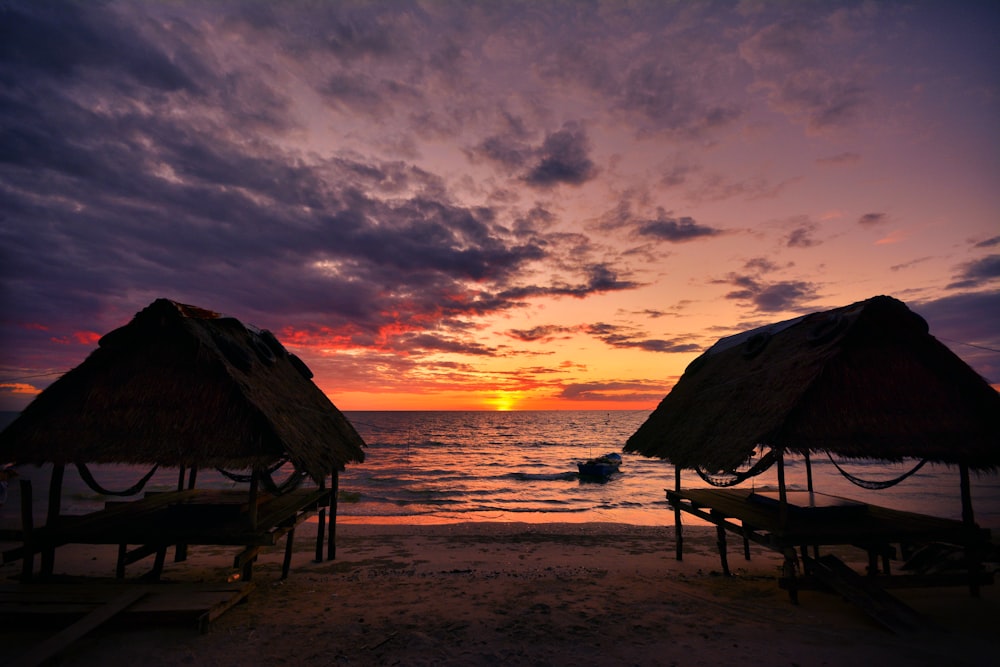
{"points": [[863, 381], [184, 386]]}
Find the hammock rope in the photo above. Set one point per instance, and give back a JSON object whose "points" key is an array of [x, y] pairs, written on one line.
{"points": [[245, 479], [873, 484], [290, 484], [87, 477], [732, 478], [293, 482]]}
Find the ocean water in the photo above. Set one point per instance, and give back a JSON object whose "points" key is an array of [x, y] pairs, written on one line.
{"points": [[439, 467]]}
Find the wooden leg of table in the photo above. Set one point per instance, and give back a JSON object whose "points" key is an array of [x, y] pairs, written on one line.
{"points": [[286, 564], [720, 534], [120, 565], [789, 571], [679, 534], [320, 528], [27, 528], [161, 556]]}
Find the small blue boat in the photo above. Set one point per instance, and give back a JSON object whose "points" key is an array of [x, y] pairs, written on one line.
{"points": [[601, 467]]}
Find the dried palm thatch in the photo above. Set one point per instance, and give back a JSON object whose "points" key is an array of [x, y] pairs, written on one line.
{"points": [[184, 386], [864, 381]]}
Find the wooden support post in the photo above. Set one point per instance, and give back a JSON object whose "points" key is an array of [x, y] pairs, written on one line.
{"points": [[181, 549], [247, 573], [782, 492], [969, 521], [161, 555], [27, 528], [746, 547], [52, 517], [320, 535], [320, 528], [55, 494], [789, 572], [331, 535], [678, 528], [286, 564], [720, 535], [254, 492], [120, 565], [809, 476]]}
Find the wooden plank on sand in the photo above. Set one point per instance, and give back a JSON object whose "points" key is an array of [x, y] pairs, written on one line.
{"points": [[58, 643], [879, 605]]}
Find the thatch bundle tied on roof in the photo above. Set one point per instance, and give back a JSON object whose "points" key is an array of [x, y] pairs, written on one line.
{"points": [[185, 386], [863, 381]]}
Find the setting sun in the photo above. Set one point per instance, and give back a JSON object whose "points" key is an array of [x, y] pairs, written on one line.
{"points": [[504, 400]]}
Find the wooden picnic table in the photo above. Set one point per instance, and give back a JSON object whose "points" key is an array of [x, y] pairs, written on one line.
{"points": [[178, 518]]}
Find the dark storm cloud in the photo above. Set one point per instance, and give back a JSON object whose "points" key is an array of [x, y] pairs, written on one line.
{"points": [[769, 296], [63, 40], [426, 342], [613, 391], [802, 237], [509, 152], [563, 159], [988, 243], [600, 279], [628, 337], [168, 191], [664, 227], [872, 219], [361, 93], [675, 230], [544, 333], [977, 273]]}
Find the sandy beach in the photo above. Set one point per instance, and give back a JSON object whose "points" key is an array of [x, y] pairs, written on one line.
{"points": [[523, 594]]}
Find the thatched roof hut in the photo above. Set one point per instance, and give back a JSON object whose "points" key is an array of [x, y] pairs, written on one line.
{"points": [[862, 381], [184, 386]]}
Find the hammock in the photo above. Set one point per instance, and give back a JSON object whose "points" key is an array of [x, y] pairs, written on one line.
{"points": [[871, 484], [293, 482], [245, 479], [97, 488], [732, 478]]}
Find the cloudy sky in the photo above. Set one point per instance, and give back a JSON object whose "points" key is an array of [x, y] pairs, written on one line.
{"points": [[449, 205]]}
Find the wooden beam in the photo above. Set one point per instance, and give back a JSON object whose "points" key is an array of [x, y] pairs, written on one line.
{"points": [[809, 474], [254, 492], [286, 564], [51, 647], [27, 528], [331, 536], [55, 494], [678, 528], [320, 527], [720, 534], [782, 491], [969, 521], [52, 516]]}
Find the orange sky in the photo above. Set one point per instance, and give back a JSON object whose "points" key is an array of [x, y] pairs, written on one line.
{"points": [[478, 206]]}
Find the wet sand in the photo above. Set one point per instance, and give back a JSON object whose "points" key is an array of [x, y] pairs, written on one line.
{"points": [[524, 594]]}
